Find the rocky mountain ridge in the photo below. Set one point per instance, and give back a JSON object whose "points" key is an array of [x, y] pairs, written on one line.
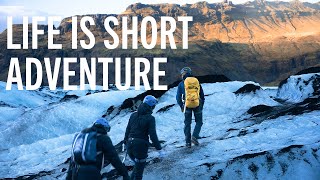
{"points": [[259, 40], [257, 21]]}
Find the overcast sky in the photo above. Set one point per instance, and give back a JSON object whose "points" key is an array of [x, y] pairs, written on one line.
{"points": [[65, 8]]}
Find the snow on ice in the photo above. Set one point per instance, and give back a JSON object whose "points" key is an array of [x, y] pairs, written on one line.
{"points": [[36, 135]]}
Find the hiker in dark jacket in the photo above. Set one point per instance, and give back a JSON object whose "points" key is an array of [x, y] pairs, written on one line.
{"points": [[106, 152], [140, 127], [180, 97]]}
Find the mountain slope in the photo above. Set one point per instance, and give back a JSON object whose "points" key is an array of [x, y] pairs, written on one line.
{"points": [[260, 41]]}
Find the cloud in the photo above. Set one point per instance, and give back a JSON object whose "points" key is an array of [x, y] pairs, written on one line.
{"points": [[17, 12]]}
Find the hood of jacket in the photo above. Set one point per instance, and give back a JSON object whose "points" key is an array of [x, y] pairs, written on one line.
{"points": [[144, 109], [98, 129], [186, 76]]}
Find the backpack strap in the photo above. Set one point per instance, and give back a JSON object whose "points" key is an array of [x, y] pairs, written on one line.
{"points": [[100, 152], [74, 142], [84, 146]]}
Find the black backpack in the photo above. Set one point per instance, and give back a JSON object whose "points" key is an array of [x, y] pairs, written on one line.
{"points": [[84, 148]]}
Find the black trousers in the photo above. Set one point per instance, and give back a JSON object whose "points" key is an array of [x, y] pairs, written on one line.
{"points": [[138, 152], [86, 172], [188, 119]]}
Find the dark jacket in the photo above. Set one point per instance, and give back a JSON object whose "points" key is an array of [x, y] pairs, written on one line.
{"points": [[104, 145], [142, 125], [181, 92]]}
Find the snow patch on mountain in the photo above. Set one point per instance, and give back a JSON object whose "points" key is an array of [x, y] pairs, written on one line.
{"points": [[298, 88]]}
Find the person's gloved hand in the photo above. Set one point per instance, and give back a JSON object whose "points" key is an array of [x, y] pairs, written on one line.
{"points": [[162, 153]]}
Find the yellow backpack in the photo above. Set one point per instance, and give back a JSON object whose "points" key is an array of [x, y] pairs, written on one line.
{"points": [[192, 92]]}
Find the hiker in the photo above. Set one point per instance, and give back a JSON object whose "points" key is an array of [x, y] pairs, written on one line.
{"points": [[190, 98], [140, 127], [101, 150]]}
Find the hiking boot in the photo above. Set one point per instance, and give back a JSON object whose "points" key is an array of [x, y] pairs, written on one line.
{"points": [[188, 145], [195, 141]]}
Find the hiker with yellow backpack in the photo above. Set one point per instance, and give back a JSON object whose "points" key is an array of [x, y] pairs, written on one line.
{"points": [[190, 98]]}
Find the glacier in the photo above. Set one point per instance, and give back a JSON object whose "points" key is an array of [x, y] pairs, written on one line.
{"points": [[37, 128]]}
